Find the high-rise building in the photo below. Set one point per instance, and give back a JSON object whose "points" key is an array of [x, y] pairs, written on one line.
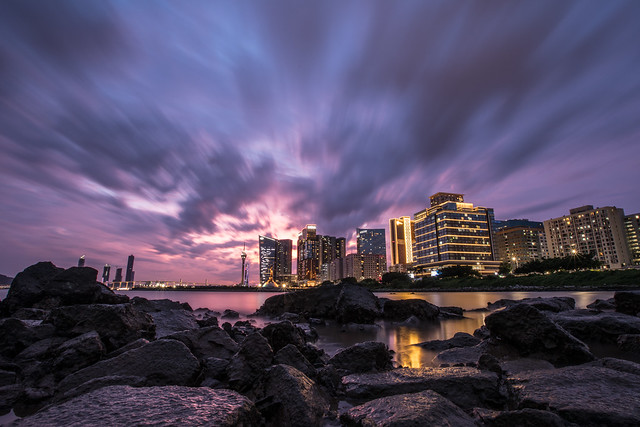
{"points": [[105, 273], [118, 277], [401, 232], [371, 241], [268, 249], [518, 241], [328, 249], [308, 254], [81, 261], [130, 273], [587, 230], [283, 260], [364, 266], [341, 247], [453, 233], [632, 225]]}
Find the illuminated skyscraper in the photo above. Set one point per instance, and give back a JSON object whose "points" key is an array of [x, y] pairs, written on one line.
{"points": [[371, 241], [118, 277], [453, 233], [308, 254], [632, 225], [401, 231], [341, 247], [81, 261], [105, 273], [267, 246], [130, 273], [284, 251]]}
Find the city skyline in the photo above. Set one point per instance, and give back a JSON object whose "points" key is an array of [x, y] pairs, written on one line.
{"points": [[179, 132]]}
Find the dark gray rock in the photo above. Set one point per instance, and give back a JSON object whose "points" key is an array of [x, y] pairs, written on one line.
{"points": [[426, 408], [168, 316], [30, 314], [534, 335], [482, 332], [451, 312], [254, 356], [460, 339], [627, 302], [291, 317], [584, 395], [403, 309], [230, 314], [553, 304], [512, 367], [9, 395], [625, 366], [117, 324], [133, 344], [363, 357], [214, 371], [149, 306], [522, 418], [600, 304], [593, 326], [170, 405], [628, 342], [357, 304], [470, 356], [7, 377], [287, 397], [207, 342], [77, 353], [162, 362], [27, 286], [464, 386], [290, 355], [16, 335], [283, 333], [40, 350]]}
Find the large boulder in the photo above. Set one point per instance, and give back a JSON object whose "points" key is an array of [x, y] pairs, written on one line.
{"points": [[117, 324], [464, 386], [162, 362], [254, 356], [426, 408], [168, 316], [363, 357], [554, 304], [401, 310], [357, 304], [287, 397], [44, 285], [207, 342], [169, 405], [16, 335], [627, 302], [460, 339], [283, 333], [290, 355], [77, 353], [584, 395], [533, 334], [522, 418], [593, 326]]}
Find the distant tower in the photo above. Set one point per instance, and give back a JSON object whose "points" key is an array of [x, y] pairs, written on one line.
{"points": [[118, 275], [105, 273], [129, 277], [81, 261], [243, 255]]}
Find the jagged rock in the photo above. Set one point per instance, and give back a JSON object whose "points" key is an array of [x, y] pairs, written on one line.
{"points": [[523, 418], [627, 302], [363, 357], [214, 371], [597, 326], [77, 353], [460, 339], [628, 342], [133, 344], [470, 356], [317, 356], [9, 395], [403, 309], [40, 350], [426, 408], [117, 324], [287, 397], [464, 386], [168, 316], [207, 342], [253, 357], [162, 362], [482, 332], [44, 285], [600, 304], [230, 314], [291, 317], [290, 355], [343, 302], [30, 314], [283, 333], [149, 306], [585, 395], [534, 335], [553, 304], [16, 335], [170, 405]]}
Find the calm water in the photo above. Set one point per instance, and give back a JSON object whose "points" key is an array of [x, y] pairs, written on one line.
{"points": [[399, 338]]}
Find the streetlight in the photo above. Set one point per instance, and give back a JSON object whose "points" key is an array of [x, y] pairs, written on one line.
{"points": [[514, 259]]}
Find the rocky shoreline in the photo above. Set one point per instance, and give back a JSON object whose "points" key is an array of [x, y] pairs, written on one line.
{"points": [[72, 351]]}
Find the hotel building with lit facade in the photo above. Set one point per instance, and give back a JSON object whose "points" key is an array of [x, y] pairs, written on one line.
{"points": [[518, 241], [401, 236], [590, 230], [451, 233], [275, 259]]}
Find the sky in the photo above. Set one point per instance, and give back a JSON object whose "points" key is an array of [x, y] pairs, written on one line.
{"points": [[177, 131]]}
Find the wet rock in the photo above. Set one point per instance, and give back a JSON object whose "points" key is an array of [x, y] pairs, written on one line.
{"points": [[522, 418], [283, 333], [584, 395], [253, 357], [117, 324], [629, 342], [464, 386], [363, 357], [290, 355], [600, 304], [553, 304], [426, 408], [460, 339], [230, 314], [170, 405], [287, 397], [627, 302], [16, 335], [482, 332], [206, 317], [597, 326], [168, 316], [533, 334], [162, 362], [451, 312], [403, 309], [207, 342]]}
